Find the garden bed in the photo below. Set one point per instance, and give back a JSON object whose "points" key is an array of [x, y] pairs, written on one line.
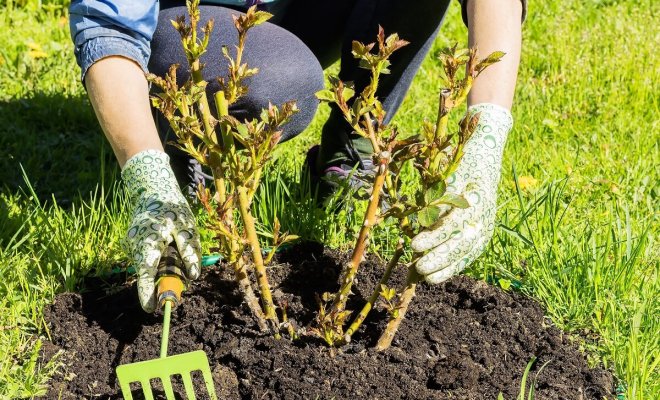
{"points": [[463, 339]]}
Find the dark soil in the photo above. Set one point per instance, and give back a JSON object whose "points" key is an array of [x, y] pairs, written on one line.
{"points": [[463, 339]]}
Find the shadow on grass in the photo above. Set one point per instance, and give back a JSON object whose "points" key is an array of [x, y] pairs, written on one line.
{"points": [[58, 143]]}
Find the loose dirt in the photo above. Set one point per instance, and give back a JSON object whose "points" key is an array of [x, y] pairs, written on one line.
{"points": [[463, 339]]}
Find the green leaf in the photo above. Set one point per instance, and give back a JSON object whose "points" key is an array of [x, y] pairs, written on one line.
{"points": [[364, 64], [360, 49], [290, 238], [260, 17], [242, 130], [494, 57], [435, 192], [428, 216], [325, 95], [454, 200], [347, 93], [428, 129], [504, 284], [387, 293], [393, 43], [384, 67]]}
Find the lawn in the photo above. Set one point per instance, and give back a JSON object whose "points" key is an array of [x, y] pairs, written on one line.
{"points": [[578, 202]]}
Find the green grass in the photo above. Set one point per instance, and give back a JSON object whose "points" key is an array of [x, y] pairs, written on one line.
{"points": [[527, 392], [581, 237]]}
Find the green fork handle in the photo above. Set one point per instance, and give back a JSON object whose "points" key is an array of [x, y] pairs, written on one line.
{"points": [[170, 286]]}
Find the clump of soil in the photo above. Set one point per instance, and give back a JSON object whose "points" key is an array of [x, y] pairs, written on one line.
{"points": [[463, 339]]}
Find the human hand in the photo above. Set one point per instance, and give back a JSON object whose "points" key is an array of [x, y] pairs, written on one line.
{"points": [[161, 215], [464, 233]]}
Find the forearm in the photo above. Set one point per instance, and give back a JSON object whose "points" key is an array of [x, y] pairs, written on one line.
{"points": [[495, 25], [119, 93]]}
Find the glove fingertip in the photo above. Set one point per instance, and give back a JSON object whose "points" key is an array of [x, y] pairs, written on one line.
{"points": [[428, 264], [190, 250], [441, 275], [193, 271], [420, 243], [427, 240], [149, 306], [455, 268], [147, 293], [416, 247]]}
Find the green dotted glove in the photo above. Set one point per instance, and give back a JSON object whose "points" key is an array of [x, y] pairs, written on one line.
{"points": [[160, 215], [464, 233]]}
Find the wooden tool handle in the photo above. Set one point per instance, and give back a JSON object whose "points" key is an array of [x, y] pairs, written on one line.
{"points": [[170, 277]]}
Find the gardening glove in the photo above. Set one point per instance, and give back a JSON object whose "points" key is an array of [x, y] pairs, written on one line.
{"points": [[464, 233], [161, 215]]}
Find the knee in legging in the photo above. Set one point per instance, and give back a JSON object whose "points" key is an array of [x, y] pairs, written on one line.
{"points": [[288, 71], [287, 68]]}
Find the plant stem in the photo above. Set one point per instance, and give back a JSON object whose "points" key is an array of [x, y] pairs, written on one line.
{"points": [[357, 322], [371, 134], [405, 298], [220, 189], [204, 110], [244, 284], [256, 179], [240, 270], [262, 278], [443, 114], [339, 303], [222, 107], [293, 335]]}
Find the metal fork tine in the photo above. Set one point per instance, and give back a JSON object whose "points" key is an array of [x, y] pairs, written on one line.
{"points": [[188, 385]]}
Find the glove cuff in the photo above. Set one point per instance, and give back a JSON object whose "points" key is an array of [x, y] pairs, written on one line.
{"points": [[493, 114], [148, 172]]}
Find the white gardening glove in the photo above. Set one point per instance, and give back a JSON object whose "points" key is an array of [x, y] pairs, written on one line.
{"points": [[160, 215], [464, 233]]}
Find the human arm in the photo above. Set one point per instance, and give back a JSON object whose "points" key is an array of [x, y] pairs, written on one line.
{"points": [[493, 25], [119, 94], [112, 49]]}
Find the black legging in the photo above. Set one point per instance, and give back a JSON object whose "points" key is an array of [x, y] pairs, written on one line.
{"points": [[304, 37]]}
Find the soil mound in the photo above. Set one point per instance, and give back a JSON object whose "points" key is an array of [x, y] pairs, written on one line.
{"points": [[463, 339]]}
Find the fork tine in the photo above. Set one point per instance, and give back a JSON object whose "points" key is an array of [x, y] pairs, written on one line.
{"points": [[167, 386], [126, 390], [208, 380], [164, 369], [188, 385], [146, 389]]}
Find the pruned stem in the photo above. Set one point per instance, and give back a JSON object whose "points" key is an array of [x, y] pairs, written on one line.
{"points": [[244, 284], [443, 114], [257, 258], [405, 298], [291, 329], [370, 218], [357, 322]]}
